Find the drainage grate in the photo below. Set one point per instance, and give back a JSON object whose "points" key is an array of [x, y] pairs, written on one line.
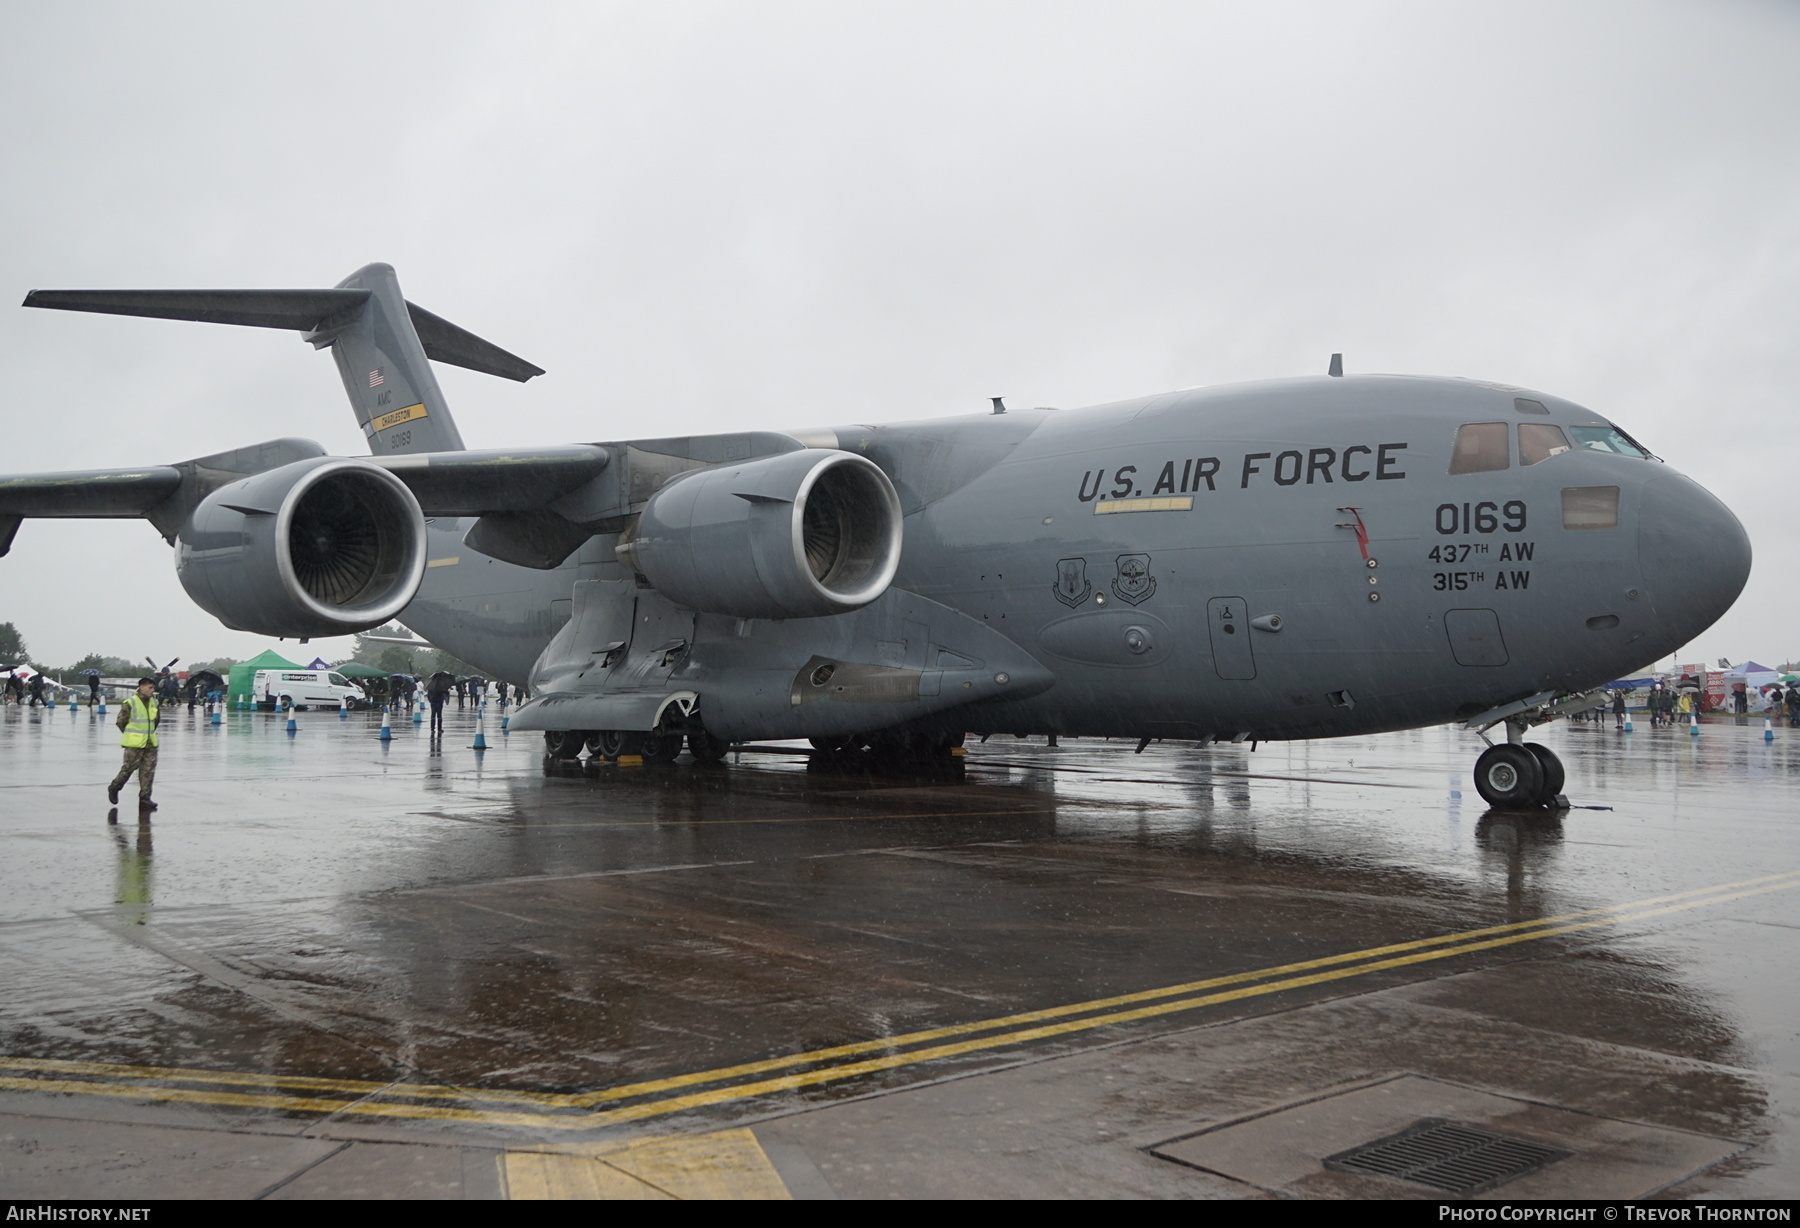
{"points": [[1447, 1156]]}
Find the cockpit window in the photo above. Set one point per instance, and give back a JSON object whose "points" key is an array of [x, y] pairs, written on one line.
{"points": [[1526, 405], [1480, 447], [1539, 441], [1605, 437]]}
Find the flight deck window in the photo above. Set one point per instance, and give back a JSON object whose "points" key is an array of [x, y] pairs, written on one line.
{"points": [[1480, 447], [1526, 405], [1539, 441], [1590, 507], [1605, 437]]}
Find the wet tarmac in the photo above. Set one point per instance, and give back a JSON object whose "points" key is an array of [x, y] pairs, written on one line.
{"points": [[331, 966]]}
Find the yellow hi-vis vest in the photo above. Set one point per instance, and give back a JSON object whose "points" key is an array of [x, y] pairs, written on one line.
{"points": [[140, 726]]}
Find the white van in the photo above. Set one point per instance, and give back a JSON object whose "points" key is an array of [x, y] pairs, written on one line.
{"points": [[304, 688]]}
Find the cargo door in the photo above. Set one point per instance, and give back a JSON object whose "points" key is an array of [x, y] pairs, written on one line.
{"points": [[1228, 623]]}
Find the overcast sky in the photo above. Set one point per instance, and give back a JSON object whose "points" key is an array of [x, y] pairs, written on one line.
{"points": [[703, 217]]}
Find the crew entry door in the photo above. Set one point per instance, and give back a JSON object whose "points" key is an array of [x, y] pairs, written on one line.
{"points": [[1229, 626]]}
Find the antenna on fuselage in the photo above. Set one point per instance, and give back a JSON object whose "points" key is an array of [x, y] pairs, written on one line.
{"points": [[999, 404], [1337, 365]]}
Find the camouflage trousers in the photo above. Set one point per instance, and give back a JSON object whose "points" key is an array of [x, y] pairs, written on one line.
{"points": [[142, 760]]}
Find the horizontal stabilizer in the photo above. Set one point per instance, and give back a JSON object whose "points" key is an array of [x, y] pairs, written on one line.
{"points": [[445, 342], [301, 310]]}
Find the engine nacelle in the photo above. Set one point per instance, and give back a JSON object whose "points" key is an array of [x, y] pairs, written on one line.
{"points": [[324, 546], [800, 535]]}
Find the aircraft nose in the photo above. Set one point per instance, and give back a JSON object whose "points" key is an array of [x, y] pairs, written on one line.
{"points": [[1694, 555]]}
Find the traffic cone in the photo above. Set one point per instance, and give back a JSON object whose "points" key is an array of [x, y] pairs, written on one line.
{"points": [[504, 722], [387, 734], [343, 708], [1768, 730], [102, 705], [418, 713], [291, 726], [1628, 722], [480, 741], [215, 717], [1693, 724]]}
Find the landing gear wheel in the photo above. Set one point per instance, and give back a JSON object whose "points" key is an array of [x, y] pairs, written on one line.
{"points": [[1553, 773], [706, 748], [564, 743], [606, 744], [659, 746], [1509, 777]]}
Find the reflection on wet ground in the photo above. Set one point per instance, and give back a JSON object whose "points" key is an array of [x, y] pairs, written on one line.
{"points": [[339, 935]]}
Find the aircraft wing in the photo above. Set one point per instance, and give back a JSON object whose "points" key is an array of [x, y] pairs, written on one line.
{"points": [[498, 482]]}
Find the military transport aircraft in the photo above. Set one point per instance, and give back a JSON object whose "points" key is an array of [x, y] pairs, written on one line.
{"points": [[1295, 558]]}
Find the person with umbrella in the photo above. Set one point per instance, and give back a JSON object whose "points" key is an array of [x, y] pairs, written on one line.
{"points": [[437, 689], [93, 677]]}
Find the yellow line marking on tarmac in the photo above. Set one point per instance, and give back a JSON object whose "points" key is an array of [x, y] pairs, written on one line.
{"points": [[359, 1096], [725, 1164]]}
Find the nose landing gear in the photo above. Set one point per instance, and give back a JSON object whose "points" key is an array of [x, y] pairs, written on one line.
{"points": [[1520, 776]]}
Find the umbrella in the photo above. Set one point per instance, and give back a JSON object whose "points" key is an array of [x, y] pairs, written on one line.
{"points": [[90, 673]]}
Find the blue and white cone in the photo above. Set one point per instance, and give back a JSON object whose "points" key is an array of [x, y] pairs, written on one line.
{"points": [[343, 708], [103, 706], [1768, 730], [504, 722], [418, 713], [291, 726], [1693, 724], [480, 741], [387, 733], [215, 716]]}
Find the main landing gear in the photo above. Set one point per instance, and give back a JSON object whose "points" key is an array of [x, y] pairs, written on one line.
{"points": [[656, 746], [1520, 775]]}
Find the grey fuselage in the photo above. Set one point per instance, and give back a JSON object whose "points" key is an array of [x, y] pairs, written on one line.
{"points": [[1121, 554]]}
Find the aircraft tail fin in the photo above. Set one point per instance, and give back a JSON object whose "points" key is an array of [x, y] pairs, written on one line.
{"points": [[380, 341]]}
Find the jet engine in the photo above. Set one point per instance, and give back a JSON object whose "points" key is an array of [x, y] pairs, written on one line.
{"points": [[323, 546], [800, 535]]}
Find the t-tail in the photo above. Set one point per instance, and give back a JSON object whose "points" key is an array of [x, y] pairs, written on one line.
{"points": [[381, 343]]}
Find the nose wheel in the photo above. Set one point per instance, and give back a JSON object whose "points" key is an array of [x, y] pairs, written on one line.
{"points": [[1520, 776]]}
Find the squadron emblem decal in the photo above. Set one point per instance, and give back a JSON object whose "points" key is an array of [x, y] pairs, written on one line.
{"points": [[1134, 583], [1072, 585]]}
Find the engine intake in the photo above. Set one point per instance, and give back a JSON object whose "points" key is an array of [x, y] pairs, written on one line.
{"points": [[801, 535], [324, 546]]}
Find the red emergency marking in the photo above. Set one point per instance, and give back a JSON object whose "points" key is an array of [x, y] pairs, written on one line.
{"points": [[1362, 534]]}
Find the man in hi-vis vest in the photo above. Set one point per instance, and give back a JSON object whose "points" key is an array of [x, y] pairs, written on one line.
{"points": [[138, 719]]}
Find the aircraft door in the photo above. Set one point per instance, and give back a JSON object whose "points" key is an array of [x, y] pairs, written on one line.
{"points": [[1228, 623], [1475, 637], [661, 634]]}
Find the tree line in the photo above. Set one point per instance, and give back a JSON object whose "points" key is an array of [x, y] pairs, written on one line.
{"points": [[389, 658]]}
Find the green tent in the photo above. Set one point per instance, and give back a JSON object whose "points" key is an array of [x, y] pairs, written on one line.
{"points": [[244, 672], [356, 669]]}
